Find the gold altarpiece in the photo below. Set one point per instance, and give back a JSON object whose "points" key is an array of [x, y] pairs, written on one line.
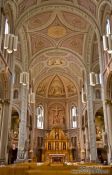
{"points": [[56, 147]]}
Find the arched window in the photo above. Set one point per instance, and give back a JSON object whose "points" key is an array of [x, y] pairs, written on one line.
{"points": [[73, 117], [6, 26], [108, 26], [40, 117]]}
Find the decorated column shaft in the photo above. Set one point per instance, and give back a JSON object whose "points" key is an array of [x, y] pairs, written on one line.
{"points": [[87, 144], [91, 122], [4, 130], [106, 110], [23, 121], [109, 119]]}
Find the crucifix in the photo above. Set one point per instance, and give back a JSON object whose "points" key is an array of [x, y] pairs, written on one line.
{"points": [[56, 117]]}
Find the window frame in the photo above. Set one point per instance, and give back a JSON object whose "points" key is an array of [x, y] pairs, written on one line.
{"points": [[73, 123], [39, 116], [6, 26], [108, 26]]}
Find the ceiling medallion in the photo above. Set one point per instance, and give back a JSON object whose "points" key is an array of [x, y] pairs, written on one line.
{"points": [[56, 31]]}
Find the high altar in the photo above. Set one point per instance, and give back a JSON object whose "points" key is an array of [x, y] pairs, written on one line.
{"points": [[57, 147]]}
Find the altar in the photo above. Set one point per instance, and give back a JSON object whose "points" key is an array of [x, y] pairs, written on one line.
{"points": [[56, 147], [57, 158]]}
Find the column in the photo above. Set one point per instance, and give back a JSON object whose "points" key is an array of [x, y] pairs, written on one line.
{"points": [[91, 122], [81, 146], [22, 126], [109, 119], [33, 131], [67, 116], [103, 92], [87, 144], [1, 23], [46, 116], [1, 115], [4, 130]]}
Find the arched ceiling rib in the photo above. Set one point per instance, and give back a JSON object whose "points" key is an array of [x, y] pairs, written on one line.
{"points": [[56, 35]]}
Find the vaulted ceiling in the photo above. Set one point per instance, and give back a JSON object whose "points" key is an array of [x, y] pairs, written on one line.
{"points": [[55, 36]]}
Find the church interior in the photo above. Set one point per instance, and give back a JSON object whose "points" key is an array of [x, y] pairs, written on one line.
{"points": [[55, 83]]}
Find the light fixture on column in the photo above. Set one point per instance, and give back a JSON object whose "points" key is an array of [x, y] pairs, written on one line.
{"points": [[10, 43], [92, 79], [95, 79], [107, 38], [83, 96], [31, 97], [107, 43], [24, 78]]}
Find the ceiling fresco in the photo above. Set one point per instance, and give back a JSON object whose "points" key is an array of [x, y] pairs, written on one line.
{"points": [[56, 42], [56, 86], [57, 32], [89, 5]]}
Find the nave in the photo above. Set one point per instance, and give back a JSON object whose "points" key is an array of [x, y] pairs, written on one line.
{"points": [[55, 85]]}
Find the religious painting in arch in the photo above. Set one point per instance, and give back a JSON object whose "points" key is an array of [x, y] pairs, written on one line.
{"points": [[56, 114], [56, 88]]}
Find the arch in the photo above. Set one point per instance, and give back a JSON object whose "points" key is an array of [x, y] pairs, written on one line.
{"points": [[80, 11], [10, 16], [13, 9], [102, 16], [16, 107], [73, 10], [50, 77], [59, 49]]}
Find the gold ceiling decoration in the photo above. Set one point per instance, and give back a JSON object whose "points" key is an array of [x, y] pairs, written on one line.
{"points": [[56, 32]]}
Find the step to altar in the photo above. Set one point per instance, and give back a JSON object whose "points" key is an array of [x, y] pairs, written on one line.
{"points": [[56, 164]]}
